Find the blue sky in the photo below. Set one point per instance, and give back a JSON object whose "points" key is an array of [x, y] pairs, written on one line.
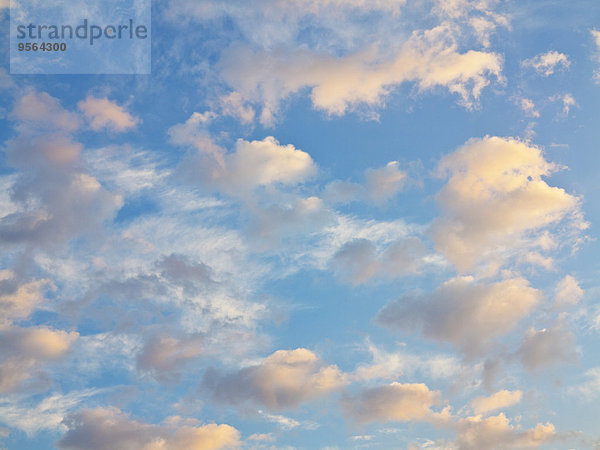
{"points": [[316, 224]]}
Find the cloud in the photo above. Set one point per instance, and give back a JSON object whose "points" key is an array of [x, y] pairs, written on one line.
{"points": [[495, 199], [18, 302], [283, 380], [109, 428], [546, 63], [392, 402], [477, 433], [380, 186], [233, 105], [391, 365], [47, 414], [252, 164], [568, 292], [463, 312], [58, 199], [337, 84], [596, 37], [589, 389], [164, 354], [358, 260], [272, 224], [549, 346], [102, 113], [499, 400], [43, 110], [287, 423], [528, 107], [25, 350]]}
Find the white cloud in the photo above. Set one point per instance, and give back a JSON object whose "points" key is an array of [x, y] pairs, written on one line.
{"points": [[463, 312], [429, 59], [252, 164], [24, 351], [380, 186], [287, 423], [59, 199], [104, 428], [164, 354], [392, 402], [392, 365], [568, 292], [548, 346], [45, 111], [102, 113], [23, 300], [48, 414], [546, 63], [495, 199], [589, 389], [233, 105], [477, 433], [283, 380], [499, 400], [596, 37], [359, 261], [528, 107]]}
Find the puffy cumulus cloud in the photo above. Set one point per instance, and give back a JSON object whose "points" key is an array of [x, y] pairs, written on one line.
{"points": [[58, 199], [568, 292], [102, 113], [546, 63], [495, 199], [110, 428], [499, 400], [252, 164], [547, 347], [19, 301], [266, 162], [164, 355], [463, 312], [42, 110], [359, 261], [430, 59], [496, 432], [393, 402], [24, 350], [283, 380]]}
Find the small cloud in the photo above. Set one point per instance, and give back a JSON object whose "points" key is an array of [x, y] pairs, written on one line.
{"points": [[392, 402], [501, 399], [546, 63], [283, 380], [528, 107], [102, 113], [547, 347], [568, 292], [596, 37]]}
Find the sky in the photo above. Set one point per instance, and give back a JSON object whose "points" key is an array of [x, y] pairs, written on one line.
{"points": [[317, 224]]}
